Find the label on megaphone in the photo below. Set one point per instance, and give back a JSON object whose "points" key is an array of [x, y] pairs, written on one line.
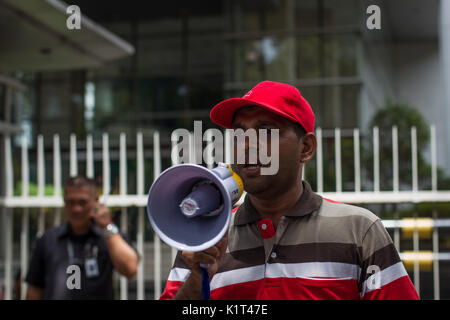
{"points": [[204, 200], [189, 206]]}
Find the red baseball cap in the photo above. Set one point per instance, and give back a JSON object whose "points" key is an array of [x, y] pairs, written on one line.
{"points": [[280, 98]]}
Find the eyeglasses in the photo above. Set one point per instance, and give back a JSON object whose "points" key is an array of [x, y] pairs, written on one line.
{"points": [[72, 203]]}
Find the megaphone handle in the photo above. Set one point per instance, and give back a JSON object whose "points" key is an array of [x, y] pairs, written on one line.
{"points": [[205, 282]]}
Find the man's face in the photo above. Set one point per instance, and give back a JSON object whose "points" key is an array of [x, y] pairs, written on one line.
{"points": [[78, 204], [288, 154]]}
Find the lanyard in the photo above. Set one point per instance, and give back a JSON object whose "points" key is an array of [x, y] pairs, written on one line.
{"points": [[89, 251]]}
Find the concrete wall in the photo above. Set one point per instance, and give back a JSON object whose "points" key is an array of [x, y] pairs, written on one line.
{"points": [[377, 77], [417, 82], [444, 47], [406, 67]]}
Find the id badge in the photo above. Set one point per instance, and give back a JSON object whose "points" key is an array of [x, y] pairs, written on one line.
{"points": [[91, 267]]}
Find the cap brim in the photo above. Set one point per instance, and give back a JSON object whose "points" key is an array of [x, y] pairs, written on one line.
{"points": [[222, 113]]}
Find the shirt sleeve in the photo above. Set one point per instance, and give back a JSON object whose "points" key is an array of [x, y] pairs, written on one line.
{"points": [[383, 275], [36, 270], [178, 275]]}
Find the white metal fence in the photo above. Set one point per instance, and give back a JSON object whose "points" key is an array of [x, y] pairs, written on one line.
{"points": [[125, 200]]}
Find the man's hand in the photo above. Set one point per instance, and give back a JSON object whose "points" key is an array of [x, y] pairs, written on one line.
{"points": [[34, 293], [211, 256], [101, 215], [123, 257]]}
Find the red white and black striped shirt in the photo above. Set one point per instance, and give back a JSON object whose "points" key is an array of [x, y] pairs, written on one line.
{"points": [[321, 249]]}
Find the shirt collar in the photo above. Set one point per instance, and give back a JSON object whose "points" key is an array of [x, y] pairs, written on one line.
{"points": [[65, 230], [308, 203]]}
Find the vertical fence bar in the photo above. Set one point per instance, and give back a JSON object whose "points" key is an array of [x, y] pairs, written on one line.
{"points": [[56, 166], [337, 155], [73, 155], [156, 240], [415, 180], [41, 182], [8, 253], [9, 220], [229, 146], [395, 181], [140, 220], [436, 285], [89, 157], [140, 162], [25, 218], [9, 183], [319, 161], [123, 215], [40, 165], [209, 156], [416, 254], [57, 217], [396, 232], [24, 251], [357, 160], [123, 165], [106, 171], [395, 173], [436, 276], [57, 176], [376, 160], [434, 176], [25, 167], [415, 189]]}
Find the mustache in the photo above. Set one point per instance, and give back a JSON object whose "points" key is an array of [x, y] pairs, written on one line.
{"points": [[249, 157]]}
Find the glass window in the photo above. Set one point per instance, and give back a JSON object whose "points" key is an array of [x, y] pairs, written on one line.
{"points": [[339, 56], [56, 97], [308, 57], [339, 13], [325, 13], [334, 105], [306, 14], [266, 58], [258, 15], [327, 56]]}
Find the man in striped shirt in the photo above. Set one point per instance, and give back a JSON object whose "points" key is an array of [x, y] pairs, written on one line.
{"points": [[285, 241]]}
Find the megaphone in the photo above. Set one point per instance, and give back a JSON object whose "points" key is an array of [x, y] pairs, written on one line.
{"points": [[189, 206]]}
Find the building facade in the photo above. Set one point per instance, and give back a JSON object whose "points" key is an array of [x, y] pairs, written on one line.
{"points": [[189, 55]]}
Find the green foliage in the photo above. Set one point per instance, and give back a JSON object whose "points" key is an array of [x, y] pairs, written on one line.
{"points": [[404, 117], [33, 189]]}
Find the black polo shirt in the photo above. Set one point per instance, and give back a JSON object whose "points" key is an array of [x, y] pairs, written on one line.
{"points": [[51, 258]]}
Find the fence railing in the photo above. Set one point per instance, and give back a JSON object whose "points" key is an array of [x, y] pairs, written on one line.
{"points": [[125, 200]]}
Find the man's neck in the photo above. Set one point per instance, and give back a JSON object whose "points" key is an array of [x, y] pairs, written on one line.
{"points": [[275, 207], [81, 230]]}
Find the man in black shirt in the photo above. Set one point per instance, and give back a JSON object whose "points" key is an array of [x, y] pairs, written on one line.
{"points": [[76, 260]]}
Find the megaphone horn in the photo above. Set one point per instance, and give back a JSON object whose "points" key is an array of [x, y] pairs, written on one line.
{"points": [[189, 206]]}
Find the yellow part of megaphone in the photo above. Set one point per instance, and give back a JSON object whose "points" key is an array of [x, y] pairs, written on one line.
{"points": [[237, 179]]}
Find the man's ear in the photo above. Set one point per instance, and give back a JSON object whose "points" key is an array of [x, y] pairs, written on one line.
{"points": [[308, 147]]}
